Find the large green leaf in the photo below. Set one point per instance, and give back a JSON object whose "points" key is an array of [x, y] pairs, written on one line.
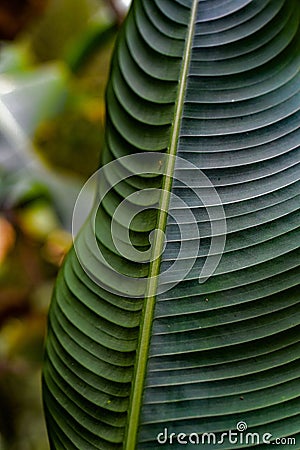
{"points": [[153, 331]]}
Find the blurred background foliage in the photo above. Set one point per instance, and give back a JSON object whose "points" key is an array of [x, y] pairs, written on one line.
{"points": [[54, 63]]}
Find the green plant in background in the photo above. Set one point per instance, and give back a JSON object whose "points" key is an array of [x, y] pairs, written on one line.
{"points": [[32, 245], [42, 90], [59, 68], [202, 119], [62, 141]]}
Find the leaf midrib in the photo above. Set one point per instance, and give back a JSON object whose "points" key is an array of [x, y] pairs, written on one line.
{"points": [[150, 296]]}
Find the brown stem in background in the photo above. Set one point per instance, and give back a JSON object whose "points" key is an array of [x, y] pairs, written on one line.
{"points": [[15, 15], [117, 10]]}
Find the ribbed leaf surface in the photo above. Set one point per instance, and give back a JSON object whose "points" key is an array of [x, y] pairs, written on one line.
{"points": [[137, 347]]}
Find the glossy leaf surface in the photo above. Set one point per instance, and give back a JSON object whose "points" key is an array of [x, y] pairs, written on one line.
{"points": [[137, 346]]}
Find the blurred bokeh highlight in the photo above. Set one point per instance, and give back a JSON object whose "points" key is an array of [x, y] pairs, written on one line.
{"points": [[54, 63]]}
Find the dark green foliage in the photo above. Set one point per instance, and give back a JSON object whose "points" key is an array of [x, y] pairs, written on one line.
{"points": [[217, 84]]}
